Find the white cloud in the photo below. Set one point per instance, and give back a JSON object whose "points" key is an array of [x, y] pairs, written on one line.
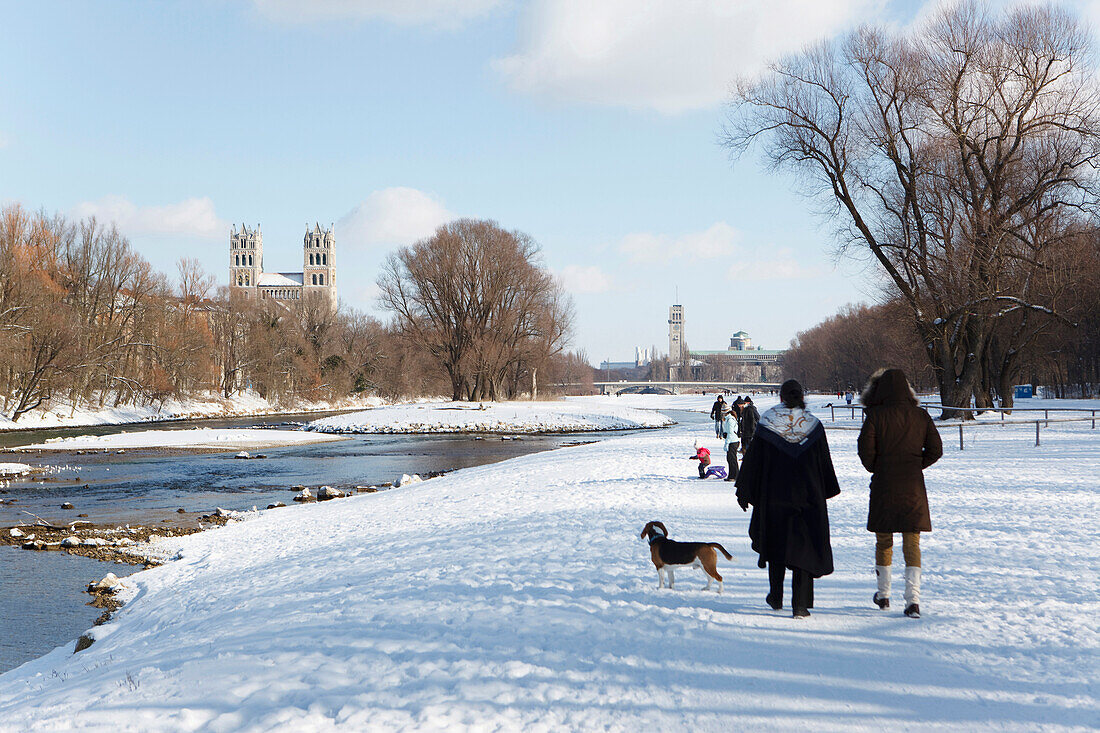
{"points": [[393, 216], [668, 55], [585, 279], [779, 264], [193, 217], [720, 240], [445, 13]]}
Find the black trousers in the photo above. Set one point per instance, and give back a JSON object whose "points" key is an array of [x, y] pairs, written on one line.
{"points": [[802, 586], [731, 459]]}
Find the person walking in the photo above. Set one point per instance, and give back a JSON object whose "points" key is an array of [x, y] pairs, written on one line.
{"points": [[897, 442], [731, 440], [750, 416], [718, 412], [787, 476]]}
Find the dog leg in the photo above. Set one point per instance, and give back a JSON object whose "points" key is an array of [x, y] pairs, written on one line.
{"points": [[671, 577], [710, 567], [660, 578]]}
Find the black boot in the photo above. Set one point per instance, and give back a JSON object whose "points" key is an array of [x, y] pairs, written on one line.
{"points": [[882, 603], [912, 610], [801, 613], [775, 603]]}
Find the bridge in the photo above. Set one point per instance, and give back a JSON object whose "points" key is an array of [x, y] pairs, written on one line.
{"points": [[629, 386]]}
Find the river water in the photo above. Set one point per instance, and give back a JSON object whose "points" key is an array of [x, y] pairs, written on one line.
{"points": [[41, 603]]}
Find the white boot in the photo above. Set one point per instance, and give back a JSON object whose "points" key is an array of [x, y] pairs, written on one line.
{"points": [[882, 596], [912, 591]]}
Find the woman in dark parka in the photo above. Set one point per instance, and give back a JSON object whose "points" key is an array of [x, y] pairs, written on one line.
{"points": [[786, 476], [898, 441]]}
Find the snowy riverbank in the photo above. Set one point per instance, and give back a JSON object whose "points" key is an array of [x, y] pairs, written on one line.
{"points": [[559, 416], [210, 406], [518, 596]]}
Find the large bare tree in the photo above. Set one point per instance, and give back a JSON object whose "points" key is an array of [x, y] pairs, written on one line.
{"points": [[957, 156], [475, 296]]}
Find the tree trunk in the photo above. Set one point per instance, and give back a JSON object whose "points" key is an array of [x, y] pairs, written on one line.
{"points": [[1004, 387]]}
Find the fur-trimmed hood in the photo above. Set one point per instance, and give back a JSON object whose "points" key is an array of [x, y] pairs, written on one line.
{"points": [[888, 386]]}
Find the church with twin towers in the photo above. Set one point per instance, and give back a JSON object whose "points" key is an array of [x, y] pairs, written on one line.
{"points": [[317, 279]]}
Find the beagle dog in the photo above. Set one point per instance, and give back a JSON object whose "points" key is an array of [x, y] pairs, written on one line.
{"points": [[666, 553]]}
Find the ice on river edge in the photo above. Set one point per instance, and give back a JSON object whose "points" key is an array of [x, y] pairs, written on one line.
{"points": [[193, 439], [560, 416], [14, 469]]}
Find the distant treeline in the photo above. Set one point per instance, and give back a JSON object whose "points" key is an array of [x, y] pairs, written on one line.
{"points": [[86, 321], [842, 351]]}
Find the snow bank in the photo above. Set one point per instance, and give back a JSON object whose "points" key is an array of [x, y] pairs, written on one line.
{"points": [[493, 417], [14, 469], [210, 405], [197, 438], [518, 596]]}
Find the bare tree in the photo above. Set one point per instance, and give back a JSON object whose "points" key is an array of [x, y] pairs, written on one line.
{"points": [[956, 154], [40, 336], [475, 297]]}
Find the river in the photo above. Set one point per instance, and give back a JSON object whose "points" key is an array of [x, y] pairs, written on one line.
{"points": [[42, 605]]}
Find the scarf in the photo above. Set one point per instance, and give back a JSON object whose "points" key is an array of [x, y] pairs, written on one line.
{"points": [[792, 424]]}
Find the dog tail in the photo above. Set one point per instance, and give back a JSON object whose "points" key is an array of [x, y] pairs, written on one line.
{"points": [[721, 549]]}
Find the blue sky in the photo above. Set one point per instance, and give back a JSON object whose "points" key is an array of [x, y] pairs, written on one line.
{"points": [[592, 126]]}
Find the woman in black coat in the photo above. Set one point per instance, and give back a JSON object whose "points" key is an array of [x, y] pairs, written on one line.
{"points": [[786, 476], [749, 419]]}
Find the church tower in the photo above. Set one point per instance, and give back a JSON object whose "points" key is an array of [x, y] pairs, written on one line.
{"points": [[319, 264], [246, 260], [677, 358]]}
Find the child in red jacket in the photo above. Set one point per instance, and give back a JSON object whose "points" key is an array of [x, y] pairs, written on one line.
{"points": [[703, 456]]}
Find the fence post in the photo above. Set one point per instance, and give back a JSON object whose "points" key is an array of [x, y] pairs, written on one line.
{"points": [[960, 436], [832, 410], [1036, 433], [1046, 416], [1094, 419]]}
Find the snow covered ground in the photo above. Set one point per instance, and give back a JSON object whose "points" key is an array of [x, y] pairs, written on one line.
{"points": [[518, 596], [211, 406], [196, 438], [574, 415]]}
